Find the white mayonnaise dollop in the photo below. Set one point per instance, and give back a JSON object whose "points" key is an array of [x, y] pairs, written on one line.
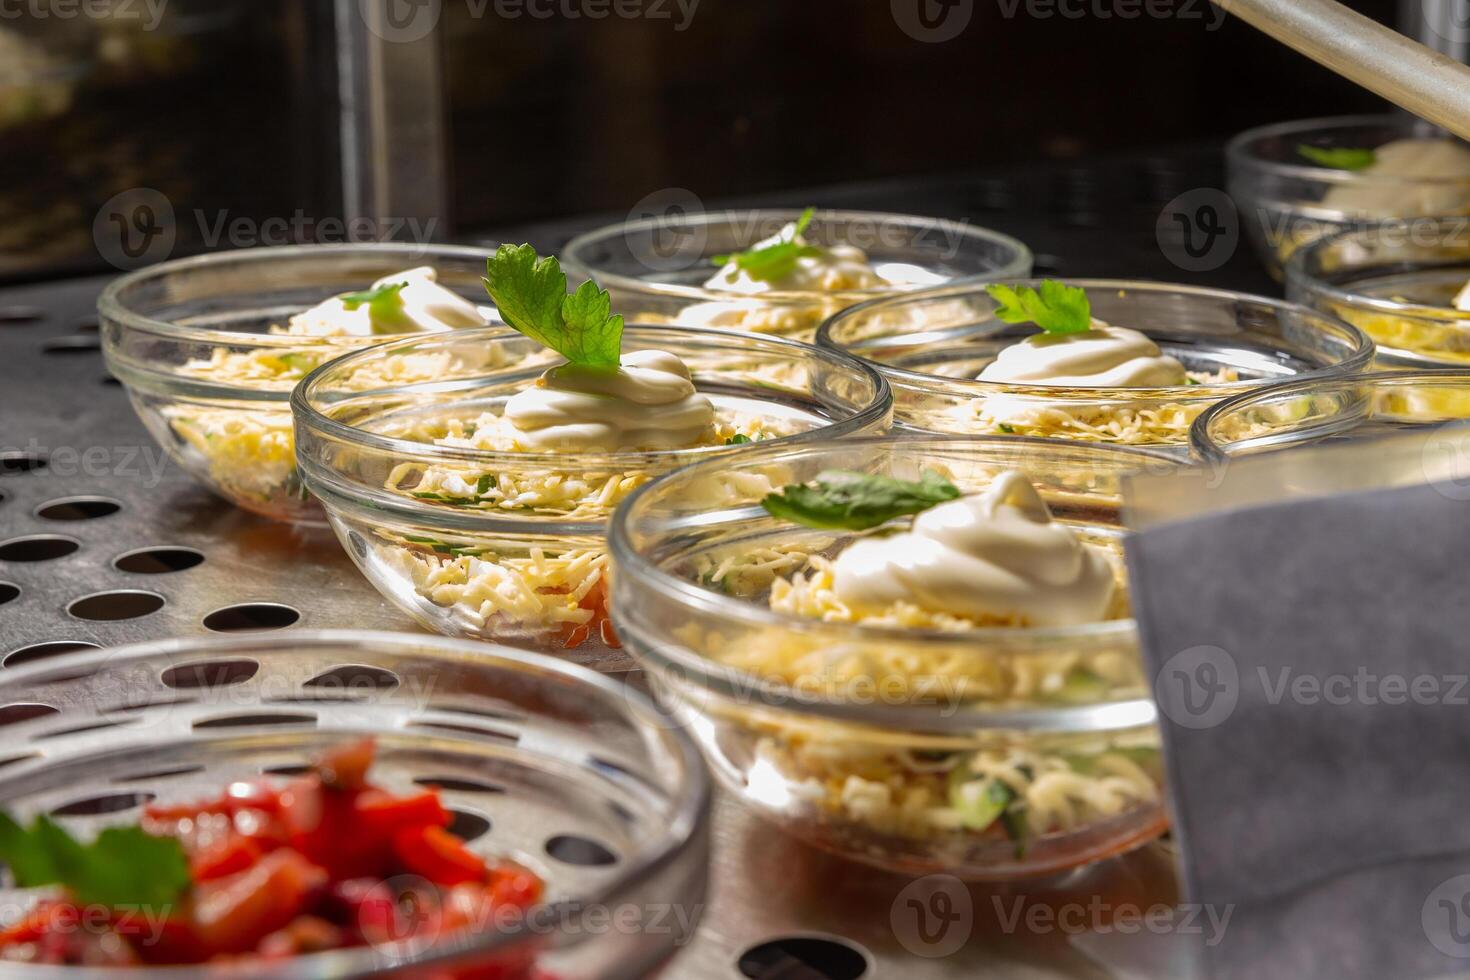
{"points": [[423, 306], [994, 554], [1409, 160], [649, 402], [1102, 357]]}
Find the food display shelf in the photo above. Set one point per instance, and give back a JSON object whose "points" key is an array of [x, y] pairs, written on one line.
{"points": [[102, 543]]}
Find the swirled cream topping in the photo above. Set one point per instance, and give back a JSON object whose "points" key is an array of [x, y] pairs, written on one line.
{"points": [[993, 554], [1102, 357], [1401, 164], [421, 306], [648, 402], [835, 267]]}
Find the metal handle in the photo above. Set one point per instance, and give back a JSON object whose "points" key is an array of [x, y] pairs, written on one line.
{"points": [[1428, 84]]}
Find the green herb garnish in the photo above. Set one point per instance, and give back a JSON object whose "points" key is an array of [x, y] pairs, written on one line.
{"points": [[1006, 429], [124, 866], [379, 300], [844, 500], [777, 260], [1338, 158], [531, 293], [738, 439], [1191, 381], [1055, 308]]}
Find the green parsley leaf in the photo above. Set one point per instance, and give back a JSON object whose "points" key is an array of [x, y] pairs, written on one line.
{"points": [[382, 298], [531, 293], [1056, 308], [1191, 381], [738, 439], [844, 500], [1339, 158], [124, 866], [1008, 430], [777, 260]]}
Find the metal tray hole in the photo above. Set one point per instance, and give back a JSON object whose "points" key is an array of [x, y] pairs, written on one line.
{"points": [[159, 561], [252, 720], [112, 606], [354, 679], [290, 769], [14, 714], [19, 315], [78, 509], [22, 463], [140, 777], [74, 344], [40, 547], [251, 617], [94, 806], [209, 673], [444, 726], [479, 712], [41, 651], [8, 593], [454, 784], [86, 324], [803, 958], [75, 730], [467, 825], [584, 852]]}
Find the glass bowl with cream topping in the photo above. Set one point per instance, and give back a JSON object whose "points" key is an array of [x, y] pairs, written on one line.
{"points": [[1406, 284], [919, 654], [210, 347], [717, 269], [1124, 363], [1295, 182], [478, 501]]}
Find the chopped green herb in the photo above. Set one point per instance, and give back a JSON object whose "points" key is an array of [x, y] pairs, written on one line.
{"points": [[738, 439], [979, 801], [1055, 308], [381, 300], [1007, 429], [1191, 381], [484, 485], [777, 260], [305, 363], [531, 293], [1338, 158], [844, 500], [123, 866]]}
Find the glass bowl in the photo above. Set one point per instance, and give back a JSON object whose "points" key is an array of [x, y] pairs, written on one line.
{"points": [[930, 347], [1286, 200], [508, 545], [656, 268], [1353, 406], [536, 751], [846, 735], [191, 341], [1397, 282]]}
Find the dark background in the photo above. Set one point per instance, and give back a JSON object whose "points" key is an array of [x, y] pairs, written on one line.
{"points": [[221, 111]]}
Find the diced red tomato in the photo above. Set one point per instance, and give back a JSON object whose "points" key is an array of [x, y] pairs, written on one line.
{"points": [[228, 856], [438, 855], [380, 813], [346, 766], [232, 915]]}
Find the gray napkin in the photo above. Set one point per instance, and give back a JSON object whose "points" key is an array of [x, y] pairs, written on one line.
{"points": [[1311, 661]]}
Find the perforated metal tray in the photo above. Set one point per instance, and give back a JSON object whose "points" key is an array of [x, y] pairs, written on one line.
{"points": [[147, 554]]}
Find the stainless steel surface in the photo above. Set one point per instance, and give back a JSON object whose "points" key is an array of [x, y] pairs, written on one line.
{"points": [[1429, 84], [764, 885]]}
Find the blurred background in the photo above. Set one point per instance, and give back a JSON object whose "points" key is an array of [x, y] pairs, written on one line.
{"points": [[242, 122]]}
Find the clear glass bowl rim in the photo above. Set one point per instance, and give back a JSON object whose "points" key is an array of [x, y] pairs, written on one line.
{"points": [[731, 681], [1239, 153], [690, 807], [1297, 275], [1361, 355], [1212, 451], [1019, 264], [307, 416]]}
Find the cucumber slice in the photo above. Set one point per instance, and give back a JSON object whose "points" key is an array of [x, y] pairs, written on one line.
{"points": [[980, 801]]}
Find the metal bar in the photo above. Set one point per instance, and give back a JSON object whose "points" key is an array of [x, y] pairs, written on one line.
{"points": [[1429, 84]]}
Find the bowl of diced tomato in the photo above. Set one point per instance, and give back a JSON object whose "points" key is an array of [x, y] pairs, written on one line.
{"points": [[340, 804]]}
